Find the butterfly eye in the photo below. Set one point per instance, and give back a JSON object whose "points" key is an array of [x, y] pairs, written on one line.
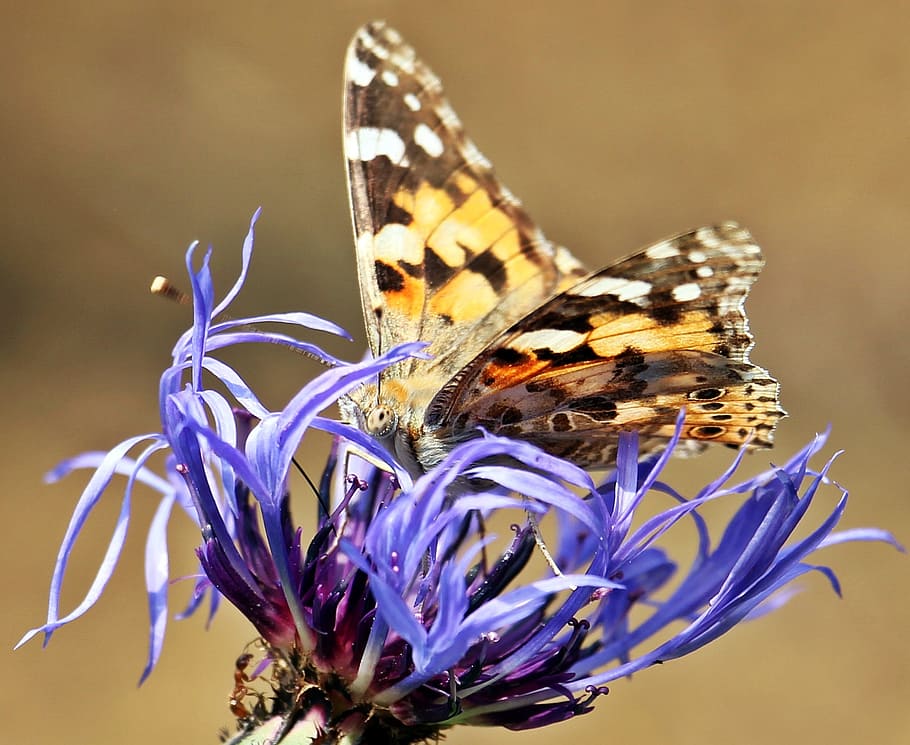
{"points": [[381, 421]]}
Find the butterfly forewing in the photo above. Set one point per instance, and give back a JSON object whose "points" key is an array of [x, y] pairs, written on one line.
{"points": [[445, 253]]}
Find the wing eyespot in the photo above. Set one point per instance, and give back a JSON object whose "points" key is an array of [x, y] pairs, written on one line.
{"points": [[707, 432], [707, 394]]}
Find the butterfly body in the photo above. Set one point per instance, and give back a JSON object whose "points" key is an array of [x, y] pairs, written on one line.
{"points": [[522, 339]]}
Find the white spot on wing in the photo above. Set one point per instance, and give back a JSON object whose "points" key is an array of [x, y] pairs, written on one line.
{"points": [[412, 102], [704, 271], [403, 58], [686, 292], [447, 115], [627, 290], [366, 143], [390, 78], [557, 340], [662, 250], [359, 73], [428, 140], [474, 156], [373, 44], [507, 196], [395, 242], [565, 262], [698, 256], [708, 237]]}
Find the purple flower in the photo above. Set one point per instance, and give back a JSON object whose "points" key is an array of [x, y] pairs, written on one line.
{"points": [[408, 612]]}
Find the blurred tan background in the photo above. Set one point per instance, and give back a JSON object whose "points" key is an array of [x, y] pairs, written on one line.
{"points": [[130, 129]]}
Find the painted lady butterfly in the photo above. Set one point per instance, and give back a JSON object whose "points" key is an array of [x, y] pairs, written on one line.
{"points": [[524, 341]]}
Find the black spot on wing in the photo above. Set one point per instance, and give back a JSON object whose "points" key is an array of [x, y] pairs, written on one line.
{"points": [[529, 249], [378, 176], [560, 422], [599, 408], [388, 278], [560, 321], [631, 389], [631, 356], [490, 267], [508, 356], [665, 310], [566, 312], [582, 353], [413, 270], [511, 415], [436, 271], [629, 364], [500, 416], [399, 215], [706, 394], [441, 179], [555, 392]]}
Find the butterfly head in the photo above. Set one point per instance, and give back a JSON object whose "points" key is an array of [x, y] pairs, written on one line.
{"points": [[380, 421], [382, 414]]}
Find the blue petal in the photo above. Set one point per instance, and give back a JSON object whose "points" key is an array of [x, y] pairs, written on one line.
{"points": [[113, 462], [203, 300], [874, 535], [273, 443], [157, 574], [246, 257], [237, 387], [295, 318], [540, 487], [307, 349]]}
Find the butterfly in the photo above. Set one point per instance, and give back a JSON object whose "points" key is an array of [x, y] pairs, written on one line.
{"points": [[523, 341]]}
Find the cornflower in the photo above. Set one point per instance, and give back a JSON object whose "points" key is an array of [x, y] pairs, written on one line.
{"points": [[404, 615]]}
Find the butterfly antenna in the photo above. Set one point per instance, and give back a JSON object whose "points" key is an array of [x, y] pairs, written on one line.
{"points": [[318, 494], [163, 287], [542, 544], [378, 312]]}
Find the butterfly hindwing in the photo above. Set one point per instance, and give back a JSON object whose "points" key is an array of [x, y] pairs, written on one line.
{"points": [[627, 348]]}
